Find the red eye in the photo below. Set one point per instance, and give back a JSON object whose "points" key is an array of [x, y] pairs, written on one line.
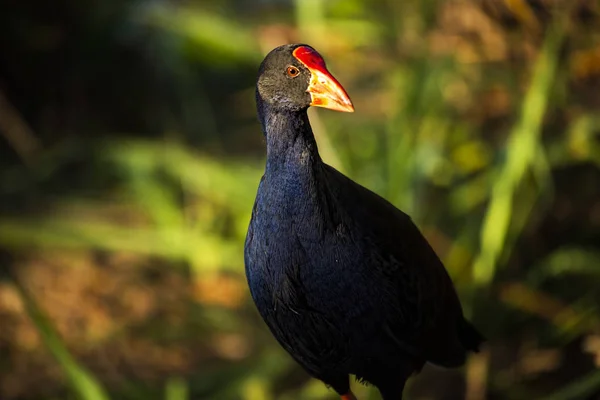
{"points": [[292, 71]]}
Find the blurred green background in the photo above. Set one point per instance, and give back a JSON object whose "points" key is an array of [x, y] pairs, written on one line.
{"points": [[130, 155]]}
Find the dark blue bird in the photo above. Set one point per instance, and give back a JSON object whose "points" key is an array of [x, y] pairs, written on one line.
{"points": [[343, 279]]}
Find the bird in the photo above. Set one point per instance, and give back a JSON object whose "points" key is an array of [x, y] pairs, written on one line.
{"points": [[345, 281]]}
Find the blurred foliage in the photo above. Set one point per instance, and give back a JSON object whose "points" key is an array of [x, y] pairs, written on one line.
{"points": [[131, 155]]}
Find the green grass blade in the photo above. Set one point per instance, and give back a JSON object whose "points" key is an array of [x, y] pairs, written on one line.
{"points": [[522, 151], [82, 382]]}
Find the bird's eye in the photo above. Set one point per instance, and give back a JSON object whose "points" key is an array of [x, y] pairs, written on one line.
{"points": [[292, 71]]}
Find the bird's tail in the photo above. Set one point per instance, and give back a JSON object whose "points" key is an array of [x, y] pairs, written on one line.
{"points": [[470, 337]]}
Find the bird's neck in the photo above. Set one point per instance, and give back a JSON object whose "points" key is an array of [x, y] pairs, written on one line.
{"points": [[294, 173], [291, 144]]}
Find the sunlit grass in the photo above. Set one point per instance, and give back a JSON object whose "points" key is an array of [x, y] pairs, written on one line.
{"points": [[524, 152]]}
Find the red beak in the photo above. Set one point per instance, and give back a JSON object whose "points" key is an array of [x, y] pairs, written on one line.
{"points": [[325, 91]]}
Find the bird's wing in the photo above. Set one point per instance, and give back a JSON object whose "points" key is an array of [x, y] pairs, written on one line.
{"points": [[423, 312]]}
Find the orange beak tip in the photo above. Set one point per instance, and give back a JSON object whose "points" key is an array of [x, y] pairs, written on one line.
{"points": [[327, 92]]}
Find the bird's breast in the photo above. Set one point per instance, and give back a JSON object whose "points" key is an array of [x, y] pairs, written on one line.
{"points": [[319, 265], [300, 234]]}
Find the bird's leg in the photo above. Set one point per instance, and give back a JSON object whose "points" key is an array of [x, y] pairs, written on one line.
{"points": [[349, 396], [341, 385]]}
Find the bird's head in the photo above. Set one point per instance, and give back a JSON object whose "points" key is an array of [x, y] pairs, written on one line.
{"points": [[294, 77]]}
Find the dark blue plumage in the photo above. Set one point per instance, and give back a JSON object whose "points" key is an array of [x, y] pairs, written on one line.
{"points": [[344, 280]]}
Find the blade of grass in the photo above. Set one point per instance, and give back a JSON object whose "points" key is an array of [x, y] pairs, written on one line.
{"points": [[82, 382], [522, 150]]}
